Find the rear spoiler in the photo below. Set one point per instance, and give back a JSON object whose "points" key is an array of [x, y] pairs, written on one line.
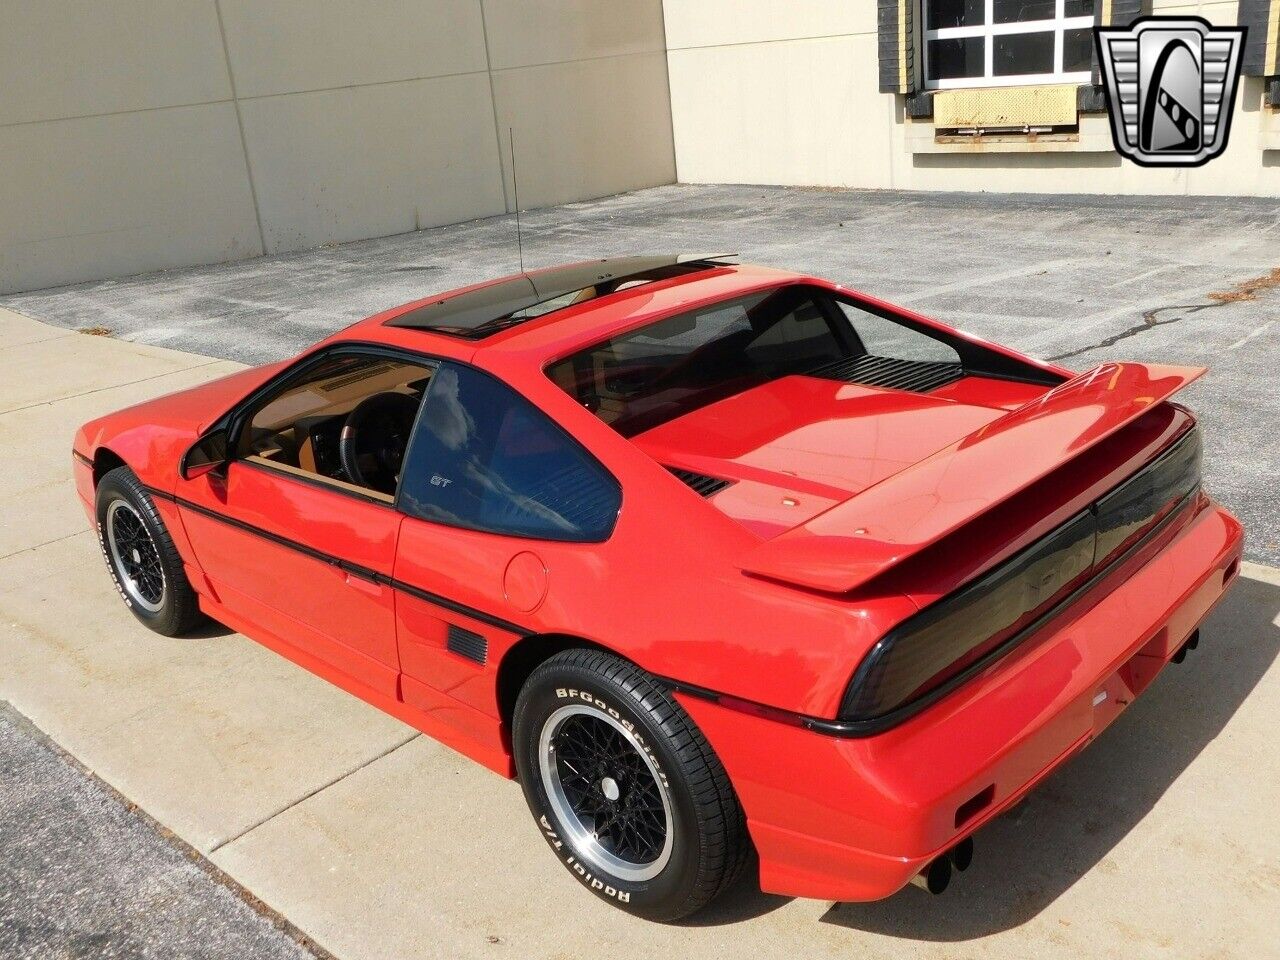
{"points": [[856, 540]]}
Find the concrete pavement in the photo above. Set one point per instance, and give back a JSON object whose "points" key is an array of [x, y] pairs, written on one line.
{"points": [[1159, 841]]}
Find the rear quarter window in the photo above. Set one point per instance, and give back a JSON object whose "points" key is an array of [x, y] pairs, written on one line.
{"points": [[484, 458]]}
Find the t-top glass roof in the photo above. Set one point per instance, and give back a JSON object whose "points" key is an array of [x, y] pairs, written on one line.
{"points": [[486, 310]]}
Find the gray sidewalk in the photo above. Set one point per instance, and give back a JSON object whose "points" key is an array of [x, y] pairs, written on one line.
{"points": [[1083, 279]]}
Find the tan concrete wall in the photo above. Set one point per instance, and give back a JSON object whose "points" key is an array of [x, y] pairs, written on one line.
{"points": [[786, 91], [141, 134]]}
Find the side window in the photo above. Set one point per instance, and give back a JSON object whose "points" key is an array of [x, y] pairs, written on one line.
{"points": [[884, 338], [346, 422], [484, 458]]}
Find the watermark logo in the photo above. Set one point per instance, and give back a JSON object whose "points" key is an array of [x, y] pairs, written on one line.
{"points": [[1171, 83]]}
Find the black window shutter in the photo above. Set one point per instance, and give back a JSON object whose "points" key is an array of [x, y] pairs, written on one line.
{"points": [[1261, 59], [895, 28], [1124, 12], [1116, 13]]}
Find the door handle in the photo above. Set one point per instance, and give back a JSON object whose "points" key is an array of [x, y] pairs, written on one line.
{"points": [[364, 586], [366, 581]]}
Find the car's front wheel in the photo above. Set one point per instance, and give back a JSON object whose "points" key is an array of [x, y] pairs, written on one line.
{"points": [[624, 787], [141, 557]]}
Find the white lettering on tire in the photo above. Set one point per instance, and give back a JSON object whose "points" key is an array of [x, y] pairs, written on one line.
{"points": [[595, 883], [548, 831]]}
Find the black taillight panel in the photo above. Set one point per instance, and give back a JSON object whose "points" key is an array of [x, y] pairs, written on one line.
{"points": [[1131, 509], [943, 639], [986, 618]]}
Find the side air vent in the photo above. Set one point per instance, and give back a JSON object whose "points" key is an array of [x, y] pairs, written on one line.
{"points": [[700, 483], [467, 644], [918, 376]]}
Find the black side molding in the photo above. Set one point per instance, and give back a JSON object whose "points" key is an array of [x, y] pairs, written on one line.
{"points": [[354, 569]]}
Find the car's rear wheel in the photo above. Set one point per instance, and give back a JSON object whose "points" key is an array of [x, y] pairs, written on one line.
{"points": [[141, 557], [624, 787]]}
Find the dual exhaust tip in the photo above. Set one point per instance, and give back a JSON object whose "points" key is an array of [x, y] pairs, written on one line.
{"points": [[936, 876]]}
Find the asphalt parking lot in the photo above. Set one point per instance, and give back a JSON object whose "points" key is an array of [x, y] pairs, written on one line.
{"points": [[1080, 279], [374, 842]]}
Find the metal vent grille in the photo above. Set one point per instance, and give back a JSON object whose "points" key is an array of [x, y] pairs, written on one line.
{"points": [[918, 376], [467, 644], [700, 483]]}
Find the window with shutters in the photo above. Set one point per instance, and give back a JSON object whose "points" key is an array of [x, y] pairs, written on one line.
{"points": [[988, 43]]}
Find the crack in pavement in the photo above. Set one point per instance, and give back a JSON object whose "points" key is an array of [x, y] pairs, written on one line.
{"points": [[111, 386], [1243, 291], [39, 546], [1149, 322]]}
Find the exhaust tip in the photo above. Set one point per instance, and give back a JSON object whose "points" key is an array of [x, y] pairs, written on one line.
{"points": [[935, 877], [1194, 640], [962, 855]]}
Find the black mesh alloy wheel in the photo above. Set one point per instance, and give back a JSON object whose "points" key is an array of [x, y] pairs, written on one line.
{"points": [[141, 557], [624, 788]]}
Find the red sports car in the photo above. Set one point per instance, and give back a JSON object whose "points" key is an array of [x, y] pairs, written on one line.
{"points": [[711, 558]]}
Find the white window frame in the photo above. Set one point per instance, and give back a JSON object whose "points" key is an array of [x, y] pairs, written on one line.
{"points": [[989, 30]]}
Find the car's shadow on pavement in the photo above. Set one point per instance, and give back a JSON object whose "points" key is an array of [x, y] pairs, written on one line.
{"points": [[208, 630], [743, 901], [1027, 858]]}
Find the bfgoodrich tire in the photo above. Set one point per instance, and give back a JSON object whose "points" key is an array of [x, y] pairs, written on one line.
{"points": [[624, 787], [141, 558]]}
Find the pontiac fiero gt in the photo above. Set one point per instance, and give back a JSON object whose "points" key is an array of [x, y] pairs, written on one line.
{"points": [[710, 557]]}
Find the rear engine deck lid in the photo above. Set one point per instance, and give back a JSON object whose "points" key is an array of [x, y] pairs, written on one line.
{"points": [[851, 543], [791, 449]]}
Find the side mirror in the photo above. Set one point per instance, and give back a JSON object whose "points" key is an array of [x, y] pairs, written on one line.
{"points": [[205, 455]]}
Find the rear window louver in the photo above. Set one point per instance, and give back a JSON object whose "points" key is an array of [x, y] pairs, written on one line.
{"points": [[918, 376], [700, 483]]}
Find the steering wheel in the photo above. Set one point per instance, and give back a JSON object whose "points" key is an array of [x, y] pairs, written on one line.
{"points": [[374, 439]]}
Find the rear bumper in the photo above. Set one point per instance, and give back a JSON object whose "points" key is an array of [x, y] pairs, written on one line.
{"points": [[855, 819]]}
